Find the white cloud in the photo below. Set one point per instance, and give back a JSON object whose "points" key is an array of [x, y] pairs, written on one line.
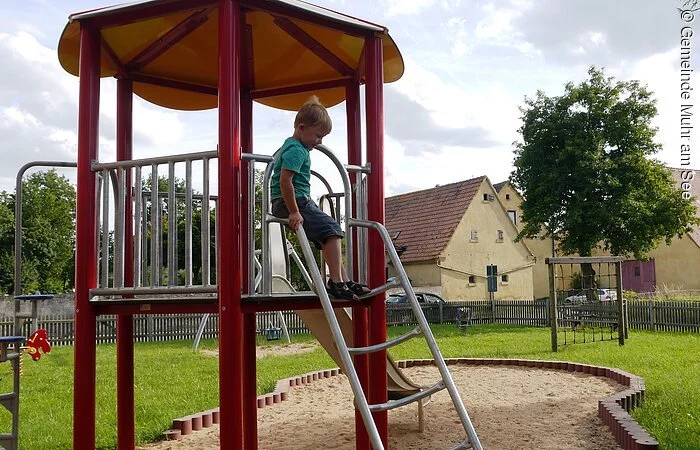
{"points": [[458, 35], [407, 7], [14, 117], [496, 28]]}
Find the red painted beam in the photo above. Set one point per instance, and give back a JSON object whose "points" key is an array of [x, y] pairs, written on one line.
{"points": [[191, 87], [293, 304], [86, 238], [359, 314], [114, 59], [160, 308], [247, 62], [172, 37], [250, 405], [374, 99], [314, 46], [125, 323], [231, 371], [212, 308], [275, 92]]}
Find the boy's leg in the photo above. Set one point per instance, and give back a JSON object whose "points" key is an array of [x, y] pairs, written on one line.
{"points": [[332, 254]]}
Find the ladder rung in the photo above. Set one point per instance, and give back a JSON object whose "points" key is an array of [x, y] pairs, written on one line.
{"points": [[464, 445], [392, 283], [384, 345], [391, 404]]}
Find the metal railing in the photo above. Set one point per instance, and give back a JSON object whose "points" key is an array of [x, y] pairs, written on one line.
{"points": [[150, 210]]}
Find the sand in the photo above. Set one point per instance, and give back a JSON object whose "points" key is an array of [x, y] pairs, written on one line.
{"points": [[274, 350], [511, 408]]}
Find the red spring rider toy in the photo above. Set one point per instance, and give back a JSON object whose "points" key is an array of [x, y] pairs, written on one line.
{"points": [[39, 340]]}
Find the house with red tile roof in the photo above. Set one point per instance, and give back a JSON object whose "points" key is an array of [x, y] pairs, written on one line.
{"points": [[451, 233]]}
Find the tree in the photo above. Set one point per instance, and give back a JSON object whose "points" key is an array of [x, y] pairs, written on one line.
{"points": [[48, 234], [7, 229], [585, 168]]}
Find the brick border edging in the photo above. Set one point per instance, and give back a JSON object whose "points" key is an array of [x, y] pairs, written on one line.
{"points": [[613, 410], [195, 422]]}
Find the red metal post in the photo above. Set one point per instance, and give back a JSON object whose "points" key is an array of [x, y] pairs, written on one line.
{"points": [[86, 236], [359, 313], [375, 203], [125, 323], [250, 406], [231, 372]]}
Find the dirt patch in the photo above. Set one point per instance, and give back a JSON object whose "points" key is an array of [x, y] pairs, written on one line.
{"points": [[274, 350], [511, 408]]}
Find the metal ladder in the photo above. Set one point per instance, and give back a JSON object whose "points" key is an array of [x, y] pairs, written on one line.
{"points": [[366, 410]]}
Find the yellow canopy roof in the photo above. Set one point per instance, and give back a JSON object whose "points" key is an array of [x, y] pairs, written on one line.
{"points": [[170, 49]]}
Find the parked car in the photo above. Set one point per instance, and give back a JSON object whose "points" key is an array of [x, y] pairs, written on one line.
{"points": [[424, 298], [604, 295]]}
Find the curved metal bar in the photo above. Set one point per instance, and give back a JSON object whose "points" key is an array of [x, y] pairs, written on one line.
{"points": [[18, 213], [323, 180], [348, 201]]}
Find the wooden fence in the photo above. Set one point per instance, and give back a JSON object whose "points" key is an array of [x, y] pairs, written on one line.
{"points": [[643, 315]]}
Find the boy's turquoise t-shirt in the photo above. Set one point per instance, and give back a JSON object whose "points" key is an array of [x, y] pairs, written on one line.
{"points": [[295, 157]]}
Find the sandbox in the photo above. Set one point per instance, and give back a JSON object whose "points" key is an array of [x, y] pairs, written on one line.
{"points": [[512, 407]]}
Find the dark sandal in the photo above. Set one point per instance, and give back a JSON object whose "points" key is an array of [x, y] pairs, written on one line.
{"points": [[340, 290], [358, 288]]}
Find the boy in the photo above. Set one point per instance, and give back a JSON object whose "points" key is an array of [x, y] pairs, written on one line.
{"points": [[291, 190]]}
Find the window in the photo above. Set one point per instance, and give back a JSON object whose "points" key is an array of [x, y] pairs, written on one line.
{"points": [[499, 237], [637, 271], [512, 215], [489, 198], [475, 236], [507, 196], [504, 279], [472, 280], [486, 197]]}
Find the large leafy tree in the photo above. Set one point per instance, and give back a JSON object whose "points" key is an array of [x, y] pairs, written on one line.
{"points": [[585, 168]]}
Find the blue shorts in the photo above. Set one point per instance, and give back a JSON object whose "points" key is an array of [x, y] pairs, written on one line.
{"points": [[318, 225]]}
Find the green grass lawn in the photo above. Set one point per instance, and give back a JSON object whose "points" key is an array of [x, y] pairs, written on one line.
{"points": [[172, 381]]}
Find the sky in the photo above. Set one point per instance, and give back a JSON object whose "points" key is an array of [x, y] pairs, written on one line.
{"points": [[454, 115]]}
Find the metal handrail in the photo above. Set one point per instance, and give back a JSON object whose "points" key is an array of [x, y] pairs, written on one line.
{"points": [[425, 328]]}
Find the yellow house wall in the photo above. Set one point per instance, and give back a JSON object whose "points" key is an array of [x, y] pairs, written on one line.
{"points": [[462, 257], [540, 248], [421, 275], [677, 265]]}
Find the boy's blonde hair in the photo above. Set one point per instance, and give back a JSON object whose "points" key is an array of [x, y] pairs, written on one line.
{"points": [[313, 113]]}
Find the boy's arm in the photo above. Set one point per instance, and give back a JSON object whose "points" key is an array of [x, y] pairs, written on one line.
{"points": [[289, 197]]}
